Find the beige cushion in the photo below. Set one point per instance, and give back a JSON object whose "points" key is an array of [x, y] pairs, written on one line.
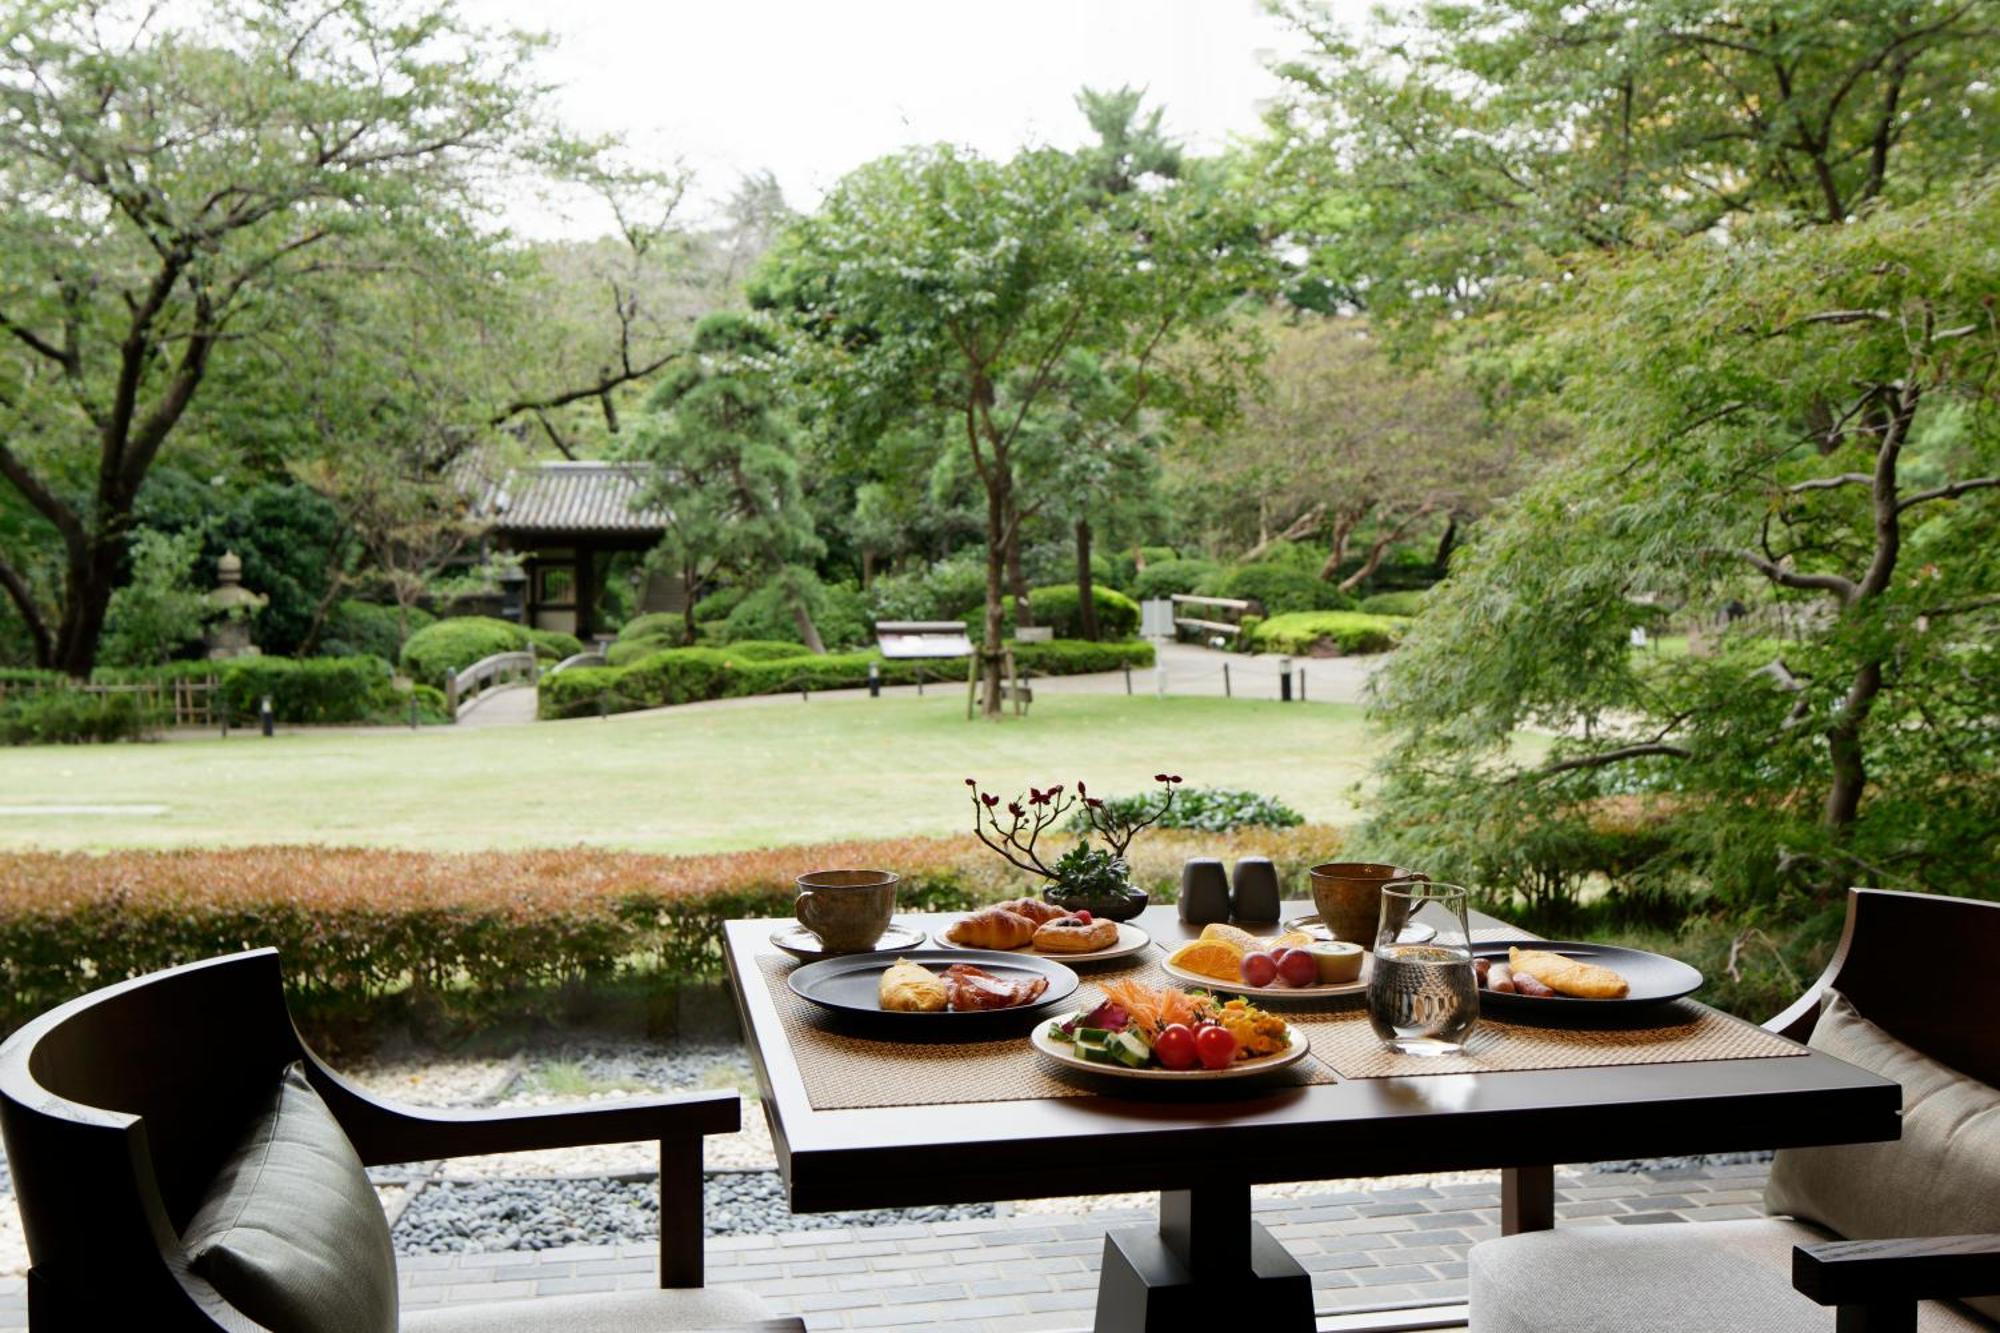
{"points": [[649, 1311], [1942, 1178], [1687, 1277], [290, 1231]]}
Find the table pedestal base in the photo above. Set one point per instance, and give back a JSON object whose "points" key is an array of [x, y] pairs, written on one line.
{"points": [[1207, 1261]]}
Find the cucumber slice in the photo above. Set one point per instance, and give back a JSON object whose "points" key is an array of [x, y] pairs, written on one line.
{"points": [[1130, 1049], [1094, 1036], [1097, 1055]]}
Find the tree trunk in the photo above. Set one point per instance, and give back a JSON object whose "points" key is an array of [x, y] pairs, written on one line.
{"points": [[996, 559], [87, 589], [1850, 772], [689, 587], [1086, 593], [1441, 562], [1381, 547], [1343, 528], [867, 568], [808, 632], [1017, 582]]}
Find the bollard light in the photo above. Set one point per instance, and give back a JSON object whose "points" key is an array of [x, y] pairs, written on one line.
{"points": [[874, 680], [1285, 680], [266, 719]]}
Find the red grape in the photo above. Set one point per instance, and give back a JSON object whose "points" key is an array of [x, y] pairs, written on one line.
{"points": [[1297, 967], [1216, 1045], [1175, 1047], [1259, 969]]}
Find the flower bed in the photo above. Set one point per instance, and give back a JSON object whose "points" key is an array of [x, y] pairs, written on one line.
{"points": [[368, 934]]}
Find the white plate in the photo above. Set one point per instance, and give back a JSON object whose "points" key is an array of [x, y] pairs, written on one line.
{"points": [[802, 944], [1277, 990], [1131, 940], [1064, 1054]]}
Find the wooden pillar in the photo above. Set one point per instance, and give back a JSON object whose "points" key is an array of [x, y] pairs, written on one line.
{"points": [[1527, 1199], [586, 592]]}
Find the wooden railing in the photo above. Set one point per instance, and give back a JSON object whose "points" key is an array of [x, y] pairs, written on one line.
{"points": [[168, 703], [462, 687], [1227, 604]]}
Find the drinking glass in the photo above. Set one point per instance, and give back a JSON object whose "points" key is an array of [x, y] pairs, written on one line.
{"points": [[1423, 998]]}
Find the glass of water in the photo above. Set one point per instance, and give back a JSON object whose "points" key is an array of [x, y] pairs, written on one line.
{"points": [[1423, 998]]}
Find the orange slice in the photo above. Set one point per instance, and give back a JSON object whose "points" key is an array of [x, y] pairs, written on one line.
{"points": [[1209, 958]]}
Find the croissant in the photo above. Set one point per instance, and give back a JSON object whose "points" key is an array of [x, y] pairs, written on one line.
{"points": [[1034, 909], [992, 928]]}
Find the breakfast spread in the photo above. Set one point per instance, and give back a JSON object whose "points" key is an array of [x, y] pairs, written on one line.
{"points": [[1029, 923], [1543, 975], [907, 987], [1144, 1027], [1231, 954]]}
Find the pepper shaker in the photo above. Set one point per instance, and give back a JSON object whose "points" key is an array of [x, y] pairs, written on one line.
{"points": [[1255, 895], [1204, 891]]}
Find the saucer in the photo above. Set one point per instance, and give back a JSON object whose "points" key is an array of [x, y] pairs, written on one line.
{"points": [[1316, 928], [801, 943]]}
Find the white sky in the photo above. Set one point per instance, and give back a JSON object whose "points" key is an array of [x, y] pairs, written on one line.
{"points": [[812, 88]]}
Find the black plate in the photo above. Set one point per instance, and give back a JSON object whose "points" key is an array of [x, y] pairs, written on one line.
{"points": [[851, 988], [1654, 979]]}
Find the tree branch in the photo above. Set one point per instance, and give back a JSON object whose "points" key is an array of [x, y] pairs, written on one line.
{"points": [[1829, 483], [1834, 583], [1617, 756], [606, 382], [64, 358], [46, 502], [23, 598], [1951, 492]]}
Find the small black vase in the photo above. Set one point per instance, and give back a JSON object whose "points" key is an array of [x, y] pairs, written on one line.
{"points": [[1112, 905]]}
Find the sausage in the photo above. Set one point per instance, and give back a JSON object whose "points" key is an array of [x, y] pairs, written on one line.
{"points": [[1501, 979], [1481, 967], [1527, 984]]}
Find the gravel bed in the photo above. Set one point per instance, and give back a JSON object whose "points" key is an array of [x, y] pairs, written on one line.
{"points": [[1756, 1158], [491, 1216]]}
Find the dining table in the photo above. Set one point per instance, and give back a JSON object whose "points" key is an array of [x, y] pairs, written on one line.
{"points": [[870, 1118]]}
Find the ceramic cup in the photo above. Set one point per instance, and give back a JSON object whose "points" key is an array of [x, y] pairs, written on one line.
{"points": [[847, 909], [1253, 894], [1204, 891], [1348, 895]]}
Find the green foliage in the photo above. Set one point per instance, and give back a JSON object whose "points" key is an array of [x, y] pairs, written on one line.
{"points": [[948, 589], [453, 645], [656, 625], [717, 605], [63, 716], [1329, 633], [1406, 603], [1278, 588], [289, 539], [1079, 657], [1060, 608], [837, 611], [1164, 578], [311, 689], [1210, 809], [366, 629], [160, 610]]}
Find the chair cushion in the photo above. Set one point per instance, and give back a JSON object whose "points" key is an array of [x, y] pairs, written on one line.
{"points": [[647, 1311], [1688, 1277], [290, 1231], [1942, 1178]]}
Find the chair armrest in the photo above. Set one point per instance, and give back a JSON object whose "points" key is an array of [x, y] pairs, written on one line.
{"points": [[1870, 1272], [383, 1132]]}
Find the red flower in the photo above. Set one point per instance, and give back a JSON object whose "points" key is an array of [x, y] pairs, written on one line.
{"points": [[991, 801], [1014, 809], [1160, 777], [971, 783]]}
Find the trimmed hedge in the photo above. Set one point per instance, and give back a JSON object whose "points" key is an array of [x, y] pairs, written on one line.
{"points": [[1061, 609], [689, 675], [373, 934], [312, 689], [1279, 589], [455, 644], [1406, 603], [367, 629], [1169, 577], [1210, 809], [71, 717], [1327, 633]]}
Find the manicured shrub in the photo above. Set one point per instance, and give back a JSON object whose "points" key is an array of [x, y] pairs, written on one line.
{"points": [[312, 689], [944, 590], [365, 629], [16, 679], [453, 645], [1279, 588], [62, 716], [1211, 809], [1078, 657], [1169, 577], [838, 614], [765, 650], [1152, 555], [716, 606], [1060, 608], [1406, 603], [1327, 633]]}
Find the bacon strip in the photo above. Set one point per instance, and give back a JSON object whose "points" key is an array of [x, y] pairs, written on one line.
{"points": [[971, 989]]}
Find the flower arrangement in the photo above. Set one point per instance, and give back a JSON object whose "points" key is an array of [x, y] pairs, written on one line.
{"points": [[1084, 878]]}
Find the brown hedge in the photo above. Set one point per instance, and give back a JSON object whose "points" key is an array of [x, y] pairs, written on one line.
{"points": [[469, 934]]}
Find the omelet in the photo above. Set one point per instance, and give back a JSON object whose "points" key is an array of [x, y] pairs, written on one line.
{"points": [[907, 988]]}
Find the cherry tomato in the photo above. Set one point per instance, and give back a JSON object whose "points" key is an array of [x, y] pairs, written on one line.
{"points": [[1216, 1045], [1175, 1047], [1297, 967], [1259, 969], [1085, 917]]}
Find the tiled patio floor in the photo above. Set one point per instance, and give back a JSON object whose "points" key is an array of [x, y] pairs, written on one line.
{"points": [[1364, 1248]]}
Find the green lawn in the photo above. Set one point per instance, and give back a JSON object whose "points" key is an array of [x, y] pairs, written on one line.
{"points": [[703, 778]]}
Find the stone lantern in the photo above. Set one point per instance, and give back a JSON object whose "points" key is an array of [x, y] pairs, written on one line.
{"points": [[230, 606]]}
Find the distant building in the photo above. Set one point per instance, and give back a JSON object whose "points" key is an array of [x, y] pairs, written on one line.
{"points": [[569, 522]]}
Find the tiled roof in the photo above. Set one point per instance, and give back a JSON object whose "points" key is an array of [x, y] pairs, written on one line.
{"points": [[572, 497]]}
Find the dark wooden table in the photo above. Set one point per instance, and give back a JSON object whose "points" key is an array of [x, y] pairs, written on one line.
{"points": [[1204, 1155]]}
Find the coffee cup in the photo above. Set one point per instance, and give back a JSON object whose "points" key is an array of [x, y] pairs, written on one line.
{"points": [[847, 909], [1348, 896]]}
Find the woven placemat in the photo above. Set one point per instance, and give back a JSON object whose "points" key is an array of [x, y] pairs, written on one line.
{"points": [[844, 1071]]}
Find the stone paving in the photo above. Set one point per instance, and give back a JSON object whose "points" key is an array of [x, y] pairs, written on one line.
{"points": [[1363, 1247]]}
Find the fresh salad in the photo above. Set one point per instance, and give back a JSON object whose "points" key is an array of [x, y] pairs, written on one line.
{"points": [[1141, 1027]]}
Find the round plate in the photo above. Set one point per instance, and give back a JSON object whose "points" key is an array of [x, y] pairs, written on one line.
{"points": [[851, 986], [1654, 979], [1276, 991], [1313, 926], [802, 944], [1063, 1054], [1131, 940]]}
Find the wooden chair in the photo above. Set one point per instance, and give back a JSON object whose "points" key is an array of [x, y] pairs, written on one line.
{"points": [[119, 1107], [1925, 969]]}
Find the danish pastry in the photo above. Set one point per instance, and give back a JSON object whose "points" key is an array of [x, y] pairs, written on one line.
{"points": [[1068, 934]]}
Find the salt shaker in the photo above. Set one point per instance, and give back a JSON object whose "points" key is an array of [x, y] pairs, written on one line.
{"points": [[1204, 891], [1255, 896]]}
